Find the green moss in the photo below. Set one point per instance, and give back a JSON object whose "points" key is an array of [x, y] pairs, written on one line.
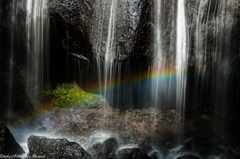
{"points": [[137, 111], [171, 114], [70, 95], [142, 112]]}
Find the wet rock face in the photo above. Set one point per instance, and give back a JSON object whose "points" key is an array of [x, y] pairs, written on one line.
{"points": [[127, 28], [132, 27], [55, 148], [88, 23], [76, 17], [213, 27], [72, 13], [146, 30], [143, 39], [120, 20], [6, 12], [8, 145]]}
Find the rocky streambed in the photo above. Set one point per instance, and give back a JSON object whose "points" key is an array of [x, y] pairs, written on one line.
{"points": [[146, 132], [132, 126], [107, 133]]}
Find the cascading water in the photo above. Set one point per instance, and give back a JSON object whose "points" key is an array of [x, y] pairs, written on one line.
{"points": [[159, 61], [181, 60], [109, 67], [221, 81], [162, 74], [163, 91], [37, 29], [101, 7], [24, 48], [105, 44], [115, 24], [213, 55]]}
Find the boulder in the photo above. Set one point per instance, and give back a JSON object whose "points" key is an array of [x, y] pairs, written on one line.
{"points": [[105, 150], [131, 153], [190, 156], [55, 148], [205, 144], [94, 149], [8, 144]]}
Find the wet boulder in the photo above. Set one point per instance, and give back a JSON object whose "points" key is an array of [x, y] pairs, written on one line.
{"points": [[131, 153], [105, 150], [189, 156], [94, 149], [8, 144], [204, 144], [55, 148]]}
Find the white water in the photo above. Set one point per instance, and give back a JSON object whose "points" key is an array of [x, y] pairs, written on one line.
{"points": [[158, 56], [106, 67], [37, 29], [109, 69], [162, 90], [110, 53], [181, 58], [158, 36], [101, 5]]}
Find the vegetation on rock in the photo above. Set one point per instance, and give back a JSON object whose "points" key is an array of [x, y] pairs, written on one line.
{"points": [[72, 96], [142, 112]]}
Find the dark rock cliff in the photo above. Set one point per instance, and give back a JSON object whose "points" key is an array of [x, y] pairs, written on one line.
{"points": [[212, 26]]}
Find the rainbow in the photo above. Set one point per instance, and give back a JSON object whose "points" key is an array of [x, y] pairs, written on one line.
{"points": [[41, 112], [152, 76]]}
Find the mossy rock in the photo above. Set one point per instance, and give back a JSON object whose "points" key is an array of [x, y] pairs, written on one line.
{"points": [[72, 96], [142, 112]]}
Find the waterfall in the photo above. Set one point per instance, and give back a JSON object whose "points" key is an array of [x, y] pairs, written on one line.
{"points": [[158, 64], [162, 89], [24, 55], [104, 44], [37, 29], [162, 70], [100, 23], [167, 69], [181, 60], [110, 52], [212, 79], [222, 77], [109, 69]]}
